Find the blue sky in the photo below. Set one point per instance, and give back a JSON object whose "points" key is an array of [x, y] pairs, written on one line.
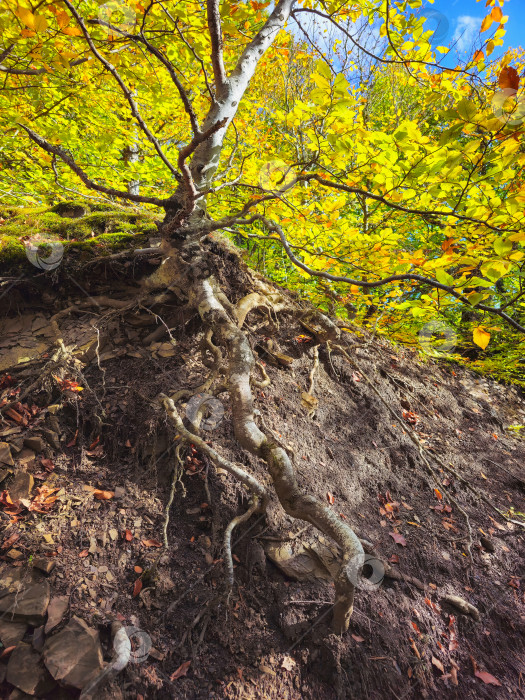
{"points": [[464, 21]]}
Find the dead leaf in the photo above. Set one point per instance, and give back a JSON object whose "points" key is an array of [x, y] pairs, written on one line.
{"points": [[103, 495], [330, 498], [137, 587], [181, 671], [509, 78], [357, 638], [487, 678], [137, 569], [128, 535], [288, 663], [437, 663], [151, 543], [438, 493], [84, 553], [398, 538]]}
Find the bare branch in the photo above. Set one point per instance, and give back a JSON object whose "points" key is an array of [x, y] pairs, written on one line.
{"points": [[57, 151], [273, 226], [125, 90], [165, 62], [217, 60]]}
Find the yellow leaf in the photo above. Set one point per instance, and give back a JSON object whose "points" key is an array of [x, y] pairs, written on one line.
{"points": [[487, 23], [40, 23], [481, 337], [27, 17]]}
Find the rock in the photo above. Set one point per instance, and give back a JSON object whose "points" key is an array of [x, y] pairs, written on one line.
{"points": [[12, 632], [38, 638], [22, 597], [74, 655], [56, 611], [34, 443], [15, 554], [5, 455], [45, 564], [120, 492], [27, 673], [16, 445], [70, 210], [20, 695], [21, 486], [51, 438], [25, 457]]}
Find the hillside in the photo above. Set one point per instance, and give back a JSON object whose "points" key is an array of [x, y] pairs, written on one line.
{"points": [[416, 455]]}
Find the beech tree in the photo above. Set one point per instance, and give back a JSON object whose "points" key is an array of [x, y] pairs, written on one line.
{"points": [[332, 179]]}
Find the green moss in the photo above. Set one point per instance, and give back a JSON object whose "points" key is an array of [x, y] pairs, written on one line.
{"points": [[102, 229]]}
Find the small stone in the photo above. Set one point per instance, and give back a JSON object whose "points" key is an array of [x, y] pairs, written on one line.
{"points": [[113, 534], [92, 545], [12, 632], [109, 576], [22, 597], [52, 438], [5, 454], [102, 569], [120, 492], [34, 443], [45, 564], [56, 611], [26, 671], [38, 638], [21, 486], [74, 655], [15, 554], [26, 457]]}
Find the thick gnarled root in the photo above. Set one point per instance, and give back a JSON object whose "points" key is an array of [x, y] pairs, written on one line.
{"points": [[294, 502]]}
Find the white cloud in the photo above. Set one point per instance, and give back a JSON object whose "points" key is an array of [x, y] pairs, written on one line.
{"points": [[467, 29]]}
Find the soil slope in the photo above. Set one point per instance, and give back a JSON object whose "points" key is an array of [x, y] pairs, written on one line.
{"points": [[354, 437]]}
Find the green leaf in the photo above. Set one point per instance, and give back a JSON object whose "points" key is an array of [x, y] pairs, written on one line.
{"points": [[444, 278], [502, 246]]}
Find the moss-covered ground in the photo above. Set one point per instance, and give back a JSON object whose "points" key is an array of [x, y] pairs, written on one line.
{"points": [[101, 229]]}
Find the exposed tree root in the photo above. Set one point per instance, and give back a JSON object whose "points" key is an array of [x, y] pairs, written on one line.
{"points": [[266, 381], [294, 501], [238, 520]]}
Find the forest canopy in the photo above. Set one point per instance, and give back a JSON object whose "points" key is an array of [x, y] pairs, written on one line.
{"points": [[365, 164]]}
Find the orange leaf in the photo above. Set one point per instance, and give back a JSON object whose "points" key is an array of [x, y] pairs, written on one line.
{"points": [[103, 495], [330, 498], [496, 14], [509, 78], [438, 493], [398, 538], [478, 56], [128, 535], [151, 543], [181, 671], [84, 553], [487, 678], [137, 569], [137, 587]]}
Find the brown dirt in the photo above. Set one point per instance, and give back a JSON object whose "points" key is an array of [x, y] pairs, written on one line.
{"points": [[403, 642]]}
